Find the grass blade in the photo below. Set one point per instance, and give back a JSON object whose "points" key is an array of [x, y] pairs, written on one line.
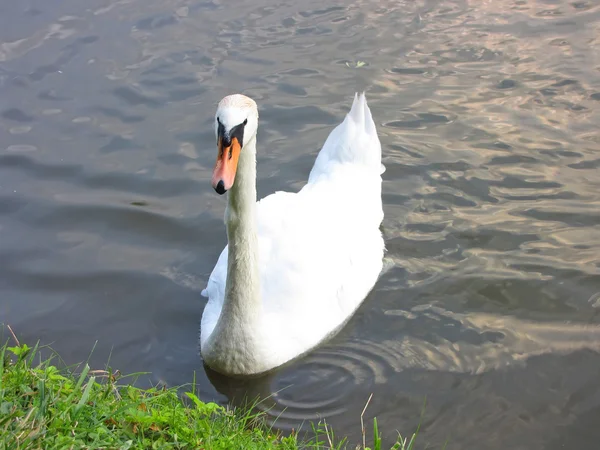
{"points": [[2, 353], [84, 373], [86, 395], [33, 352], [376, 436], [77, 388], [412, 442]]}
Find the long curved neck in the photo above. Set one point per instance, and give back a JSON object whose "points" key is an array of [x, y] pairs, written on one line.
{"points": [[242, 294], [232, 344]]}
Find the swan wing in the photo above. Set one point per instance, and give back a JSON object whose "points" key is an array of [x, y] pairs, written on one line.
{"points": [[321, 249]]}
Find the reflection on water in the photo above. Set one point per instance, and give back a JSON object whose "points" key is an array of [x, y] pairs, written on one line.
{"points": [[488, 114]]}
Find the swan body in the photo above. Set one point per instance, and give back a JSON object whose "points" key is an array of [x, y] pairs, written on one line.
{"points": [[297, 265]]}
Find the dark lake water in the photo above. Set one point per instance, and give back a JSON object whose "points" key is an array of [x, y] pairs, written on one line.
{"points": [[489, 116]]}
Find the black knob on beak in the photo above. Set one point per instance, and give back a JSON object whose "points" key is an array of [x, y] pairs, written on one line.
{"points": [[220, 188]]}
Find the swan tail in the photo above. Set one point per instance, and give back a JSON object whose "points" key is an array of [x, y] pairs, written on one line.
{"points": [[353, 141], [361, 114]]}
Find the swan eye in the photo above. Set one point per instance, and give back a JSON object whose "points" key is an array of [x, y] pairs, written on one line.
{"points": [[245, 121]]}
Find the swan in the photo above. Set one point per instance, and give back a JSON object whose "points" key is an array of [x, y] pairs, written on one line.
{"points": [[297, 265]]}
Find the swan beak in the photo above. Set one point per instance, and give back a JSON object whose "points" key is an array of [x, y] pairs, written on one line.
{"points": [[226, 165]]}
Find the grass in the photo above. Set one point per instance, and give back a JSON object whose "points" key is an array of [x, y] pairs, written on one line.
{"points": [[42, 406]]}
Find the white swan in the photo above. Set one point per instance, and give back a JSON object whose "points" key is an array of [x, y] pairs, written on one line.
{"points": [[297, 265]]}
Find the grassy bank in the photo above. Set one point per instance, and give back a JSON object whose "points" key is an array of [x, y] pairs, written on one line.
{"points": [[42, 406]]}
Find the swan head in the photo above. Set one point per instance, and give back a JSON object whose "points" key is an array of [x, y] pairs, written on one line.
{"points": [[236, 122]]}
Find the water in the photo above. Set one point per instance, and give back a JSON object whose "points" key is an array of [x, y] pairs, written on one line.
{"points": [[488, 113]]}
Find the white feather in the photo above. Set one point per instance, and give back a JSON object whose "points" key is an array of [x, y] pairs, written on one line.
{"points": [[319, 250]]}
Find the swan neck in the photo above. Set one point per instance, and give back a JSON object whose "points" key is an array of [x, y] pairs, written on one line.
{"points": [[232, 345], [242, 289]]}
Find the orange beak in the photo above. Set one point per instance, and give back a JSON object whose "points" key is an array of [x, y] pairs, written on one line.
{"points": [[226, 165]]}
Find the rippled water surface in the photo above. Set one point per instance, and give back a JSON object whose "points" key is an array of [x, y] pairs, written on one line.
{"points": [[489, 115]]}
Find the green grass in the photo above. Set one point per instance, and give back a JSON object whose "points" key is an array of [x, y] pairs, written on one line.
{"points": [[42, 406]]}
